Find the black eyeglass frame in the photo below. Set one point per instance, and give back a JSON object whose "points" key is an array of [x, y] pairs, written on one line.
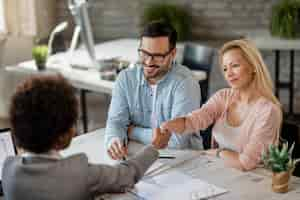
{"points": [[155, 57]]}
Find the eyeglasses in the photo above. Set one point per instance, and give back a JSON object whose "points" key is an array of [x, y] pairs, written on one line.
{"points": [[156, 57]]}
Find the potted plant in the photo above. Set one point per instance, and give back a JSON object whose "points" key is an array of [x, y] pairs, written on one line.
{"points": [[279, 160], [175, 15], [40, 54], [285, 20]]}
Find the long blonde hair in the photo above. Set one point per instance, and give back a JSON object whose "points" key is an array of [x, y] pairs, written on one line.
{"points": [[262, 79]]}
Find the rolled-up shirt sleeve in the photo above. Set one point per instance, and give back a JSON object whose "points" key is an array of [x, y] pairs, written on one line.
{"points": [[141, 134], [118, 115]]}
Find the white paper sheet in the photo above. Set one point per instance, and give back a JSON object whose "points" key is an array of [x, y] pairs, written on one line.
{"points": [[6, 148], [171, 178], [175, 185], [194, 189], [145, 190], [155, 168]]}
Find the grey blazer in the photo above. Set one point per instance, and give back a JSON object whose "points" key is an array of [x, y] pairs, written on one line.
{"points": [[72, 178]]}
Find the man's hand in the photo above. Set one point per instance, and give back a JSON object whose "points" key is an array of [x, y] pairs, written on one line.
{"points": [[116, 150], [160, 139], [176, 125]]}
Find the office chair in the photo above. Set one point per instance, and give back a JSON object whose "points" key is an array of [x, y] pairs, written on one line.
{"points": [[199, 57]]}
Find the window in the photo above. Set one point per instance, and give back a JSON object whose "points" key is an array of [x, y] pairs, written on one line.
{"points": [[2, 19]]}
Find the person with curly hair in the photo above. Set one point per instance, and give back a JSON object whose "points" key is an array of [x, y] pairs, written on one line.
{"points": [[43, 113]]}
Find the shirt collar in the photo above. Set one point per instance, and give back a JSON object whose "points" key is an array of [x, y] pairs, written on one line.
{"points": [[52, 154], [144, 81]]}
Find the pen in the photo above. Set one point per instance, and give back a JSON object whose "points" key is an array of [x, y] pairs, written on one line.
{"points": [[166, 157], [124, 145]]}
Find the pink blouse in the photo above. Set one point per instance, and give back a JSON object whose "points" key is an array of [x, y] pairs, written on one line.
{"points": [[261, 128]]}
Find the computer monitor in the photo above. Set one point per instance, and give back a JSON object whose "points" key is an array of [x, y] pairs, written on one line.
{"points": [[79, 10]]}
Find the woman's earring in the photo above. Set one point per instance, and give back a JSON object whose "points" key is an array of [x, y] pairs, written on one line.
{"points": [[173, 62]]}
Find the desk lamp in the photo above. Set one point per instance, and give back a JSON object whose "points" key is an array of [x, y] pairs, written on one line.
{"points": [[59, 28]]}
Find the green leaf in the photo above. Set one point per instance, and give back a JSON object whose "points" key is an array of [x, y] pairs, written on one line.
{"points": [[278, 158], [277, 168], [277, 152], [284, 150], [176, 15], [284, 18], [291, 149], [296, 161]]}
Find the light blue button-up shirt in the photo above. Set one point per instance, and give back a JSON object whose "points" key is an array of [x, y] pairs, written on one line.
{"points": [[177, 94]]}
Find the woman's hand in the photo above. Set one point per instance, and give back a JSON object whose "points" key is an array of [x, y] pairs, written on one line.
{"points": [[176, 125], [211, 152], [160, 139]]}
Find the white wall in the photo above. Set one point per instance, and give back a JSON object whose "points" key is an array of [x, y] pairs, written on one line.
{"points": [[18, 48], [12, 51]]}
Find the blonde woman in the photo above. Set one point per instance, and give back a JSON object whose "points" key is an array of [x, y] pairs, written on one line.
{"points": [[247, 116]]}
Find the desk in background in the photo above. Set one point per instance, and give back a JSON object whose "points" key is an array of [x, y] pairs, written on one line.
{"points": [[89, 79], [241, 185]]}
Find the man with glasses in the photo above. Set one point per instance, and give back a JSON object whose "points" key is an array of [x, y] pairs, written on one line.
{"points": [[157, 89]]}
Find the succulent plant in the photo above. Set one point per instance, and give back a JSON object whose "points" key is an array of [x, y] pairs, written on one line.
{"points": [[40, 53], [279, 158]]}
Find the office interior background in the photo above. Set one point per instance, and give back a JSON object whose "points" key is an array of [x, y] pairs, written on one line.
{"points": [[212, 23]]}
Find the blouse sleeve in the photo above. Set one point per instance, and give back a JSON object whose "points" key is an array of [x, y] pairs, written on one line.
{"points": [[201, 118]]}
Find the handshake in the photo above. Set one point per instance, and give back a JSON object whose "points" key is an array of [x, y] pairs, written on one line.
{"points": [[118, 150]]}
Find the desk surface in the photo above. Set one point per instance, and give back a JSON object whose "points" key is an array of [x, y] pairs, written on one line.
{"points": [[123, 49], [81, 79], [241, 185]]}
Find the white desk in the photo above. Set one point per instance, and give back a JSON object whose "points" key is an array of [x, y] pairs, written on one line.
{"points": [[124, 49], [241, 185], [265, 41], [89, 80]]}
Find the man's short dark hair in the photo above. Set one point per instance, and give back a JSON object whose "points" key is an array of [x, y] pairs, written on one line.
{"points": [[161, 29], [43, 109]]}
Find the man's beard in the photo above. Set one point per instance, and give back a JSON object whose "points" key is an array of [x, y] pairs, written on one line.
{"points": [[161, 71]]}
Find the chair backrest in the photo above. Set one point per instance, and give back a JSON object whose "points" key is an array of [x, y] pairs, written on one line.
{"points": [[198, 57]]}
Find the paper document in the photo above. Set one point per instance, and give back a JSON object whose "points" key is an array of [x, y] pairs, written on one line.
{"points": [[175, 185], [161, 166], [6, 148], [194, 189], [146, 190], [155, 168]]}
